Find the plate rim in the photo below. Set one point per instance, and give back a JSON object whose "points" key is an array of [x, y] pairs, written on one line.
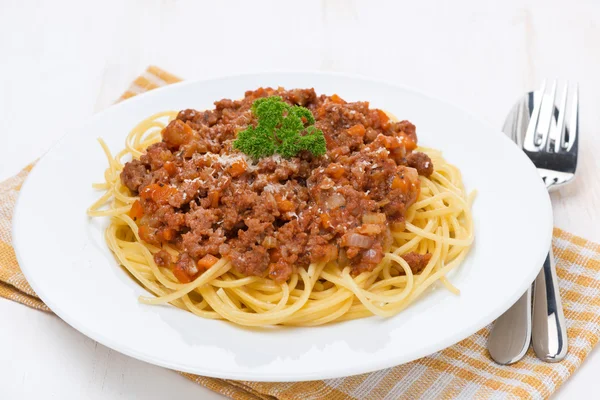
{"points": [[377, 364]]}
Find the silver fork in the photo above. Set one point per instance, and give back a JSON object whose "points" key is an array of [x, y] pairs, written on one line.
{"points": [[553, 148]]}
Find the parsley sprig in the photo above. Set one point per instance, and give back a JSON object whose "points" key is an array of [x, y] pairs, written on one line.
{"points": [[282, 129]]}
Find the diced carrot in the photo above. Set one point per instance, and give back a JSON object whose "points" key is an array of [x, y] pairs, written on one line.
{"points": [[339, 151], [335, 170], [383, 117], [137, 211], [181, 275], [399, 183], [408, 142], [337, 99], [357, 130], [170, 167], [214, 197], [206, 262], [168, 234], [144, 232], [390, 142], [163, 194], [385, 141], [146, 192], [177, 133], [320, 113], [275, 255], [285, 205], [325, 220], [159, 193], [238, 168], [395, 143]]}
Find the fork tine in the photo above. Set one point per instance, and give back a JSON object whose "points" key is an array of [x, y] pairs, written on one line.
{"points": [[573, 119], [546, 118], [520, 120], [559, 139], [529, 141]]}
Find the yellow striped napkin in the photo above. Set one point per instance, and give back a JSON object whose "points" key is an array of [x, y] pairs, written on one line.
{"points": [[464, 370]]}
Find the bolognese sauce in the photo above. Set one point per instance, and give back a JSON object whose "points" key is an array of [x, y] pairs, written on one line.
{"points": [[272, 215]]}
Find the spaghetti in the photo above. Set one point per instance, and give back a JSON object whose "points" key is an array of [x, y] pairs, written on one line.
{"points": [[438, 223]]}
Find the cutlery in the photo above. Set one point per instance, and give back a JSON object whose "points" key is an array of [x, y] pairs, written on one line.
{"points": [[552, 145], [511, 333]]}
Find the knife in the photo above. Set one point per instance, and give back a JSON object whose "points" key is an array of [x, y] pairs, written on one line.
{"points": [[511, 333]]}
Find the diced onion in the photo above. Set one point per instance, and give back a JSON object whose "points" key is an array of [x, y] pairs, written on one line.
{"points": [[270, 199], [332, 252], [192, 269], [373, 218], [335, 200], [371, 256], [326, 183], [357, 240], [383, 202], [370, 229], [411, 174], [269, 242], [398, 152], [342, 258], [388, 240], [398, 226]]}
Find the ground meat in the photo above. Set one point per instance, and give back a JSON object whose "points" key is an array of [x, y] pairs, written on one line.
{"points": [[162, 258], [421, 162], [270, 217], [251, 261], [198, 245], [405, 128], [300, 96], [188, 115], [134, 175], [417, 262], [156, 155]]}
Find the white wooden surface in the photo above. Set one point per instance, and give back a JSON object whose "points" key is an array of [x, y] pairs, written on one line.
{"points": [[62, 61]]}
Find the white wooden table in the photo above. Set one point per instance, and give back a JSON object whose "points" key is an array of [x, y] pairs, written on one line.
{"points": [[62, 61]]}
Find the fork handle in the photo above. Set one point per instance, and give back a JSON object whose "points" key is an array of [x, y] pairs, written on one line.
{"points": [[549, 333]]}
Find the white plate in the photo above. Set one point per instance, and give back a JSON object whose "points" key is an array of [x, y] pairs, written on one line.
{"points": [[64, 257]]}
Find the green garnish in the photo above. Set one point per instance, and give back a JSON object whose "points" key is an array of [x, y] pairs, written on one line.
{"points": [[282, 129]]}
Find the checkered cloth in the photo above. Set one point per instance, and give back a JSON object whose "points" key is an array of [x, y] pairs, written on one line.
{"points": [[464, 370]]}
